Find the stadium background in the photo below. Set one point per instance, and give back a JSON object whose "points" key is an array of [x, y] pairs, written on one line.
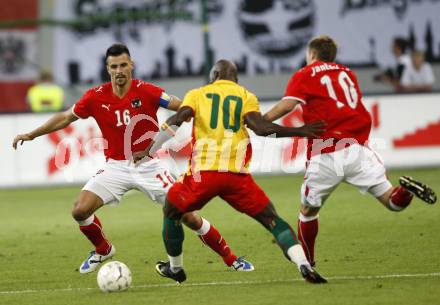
{"points": [[169, 48]]}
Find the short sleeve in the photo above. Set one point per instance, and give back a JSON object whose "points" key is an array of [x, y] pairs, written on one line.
{"points": [[153, 92], [296, 88], [190, 100], [251, 104], [82, 108]]}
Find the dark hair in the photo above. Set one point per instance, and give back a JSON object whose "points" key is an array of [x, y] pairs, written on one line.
{"points": [[325, 48], [116, 50], [401, 43], [45, 76]]}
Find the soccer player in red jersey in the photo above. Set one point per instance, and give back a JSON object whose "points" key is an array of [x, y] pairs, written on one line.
{"points": [[329, 91], [219, 166], [125, 110]]}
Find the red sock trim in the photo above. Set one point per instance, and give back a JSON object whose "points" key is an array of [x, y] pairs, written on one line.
{"points": [[218, 244], [307, 232], [96, 236]]}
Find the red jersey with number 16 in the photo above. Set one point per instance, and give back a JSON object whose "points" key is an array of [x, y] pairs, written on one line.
{"points": [[114, 114], [330, 92]]}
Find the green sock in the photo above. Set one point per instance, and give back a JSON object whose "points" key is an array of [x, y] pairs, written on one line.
{"points": [[284, 234], [173, 236]]}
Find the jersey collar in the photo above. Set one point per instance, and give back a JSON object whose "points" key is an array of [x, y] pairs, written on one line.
{"points": [[133, 83], [224, 81]]}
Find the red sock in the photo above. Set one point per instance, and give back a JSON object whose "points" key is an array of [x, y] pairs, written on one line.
{"points": [[400, 198], [217, 243], [95, 234], [307, 232]]}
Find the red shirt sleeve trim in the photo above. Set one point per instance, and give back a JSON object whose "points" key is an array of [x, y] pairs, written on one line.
{"points": [[295, 98], [73, 112]]}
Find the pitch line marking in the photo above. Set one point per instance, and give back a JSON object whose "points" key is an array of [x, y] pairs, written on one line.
{"points": [[230, 283]]}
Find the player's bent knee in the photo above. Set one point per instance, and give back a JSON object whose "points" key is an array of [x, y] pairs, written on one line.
{"points": [[79, 212], [267, 216], [171, 212], [309, 211], [87, 203], [192, 220]]}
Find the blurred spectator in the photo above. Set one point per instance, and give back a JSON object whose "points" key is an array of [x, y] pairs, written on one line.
{"points": [[45, 96], [393, 75], [417, 77]]}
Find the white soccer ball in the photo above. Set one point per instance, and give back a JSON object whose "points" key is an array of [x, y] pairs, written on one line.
{"points": [[114, 276]]}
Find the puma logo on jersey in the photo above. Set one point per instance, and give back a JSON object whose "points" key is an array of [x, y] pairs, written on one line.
{"points": [[106, 106], [99, 89]]}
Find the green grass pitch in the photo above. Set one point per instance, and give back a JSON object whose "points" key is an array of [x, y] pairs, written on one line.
{"points": [[370, 255]]}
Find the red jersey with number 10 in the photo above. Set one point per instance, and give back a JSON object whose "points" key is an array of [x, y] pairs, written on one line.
{"points": [[330, 92], [114, 114]]}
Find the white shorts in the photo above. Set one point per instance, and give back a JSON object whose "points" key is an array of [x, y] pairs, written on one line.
{"points": [[116, 177], [357, 165]]}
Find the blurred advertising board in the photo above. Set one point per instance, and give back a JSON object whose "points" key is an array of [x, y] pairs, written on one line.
{"points": [[405, 132]]}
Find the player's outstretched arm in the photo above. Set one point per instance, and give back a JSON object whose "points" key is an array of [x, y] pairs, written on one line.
{"points": [[261, 127], [174, 103], [183, 115], [56, 122], [166, 132], [282, 108]]}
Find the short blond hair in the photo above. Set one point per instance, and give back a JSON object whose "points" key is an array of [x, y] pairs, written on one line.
{"points": [[325, 47]]}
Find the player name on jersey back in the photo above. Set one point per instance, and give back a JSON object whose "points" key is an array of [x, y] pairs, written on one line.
{"points": [[326, 67]]}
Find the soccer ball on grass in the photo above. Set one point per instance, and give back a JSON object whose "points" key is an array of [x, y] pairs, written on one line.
{"points": [[114, 276]]}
